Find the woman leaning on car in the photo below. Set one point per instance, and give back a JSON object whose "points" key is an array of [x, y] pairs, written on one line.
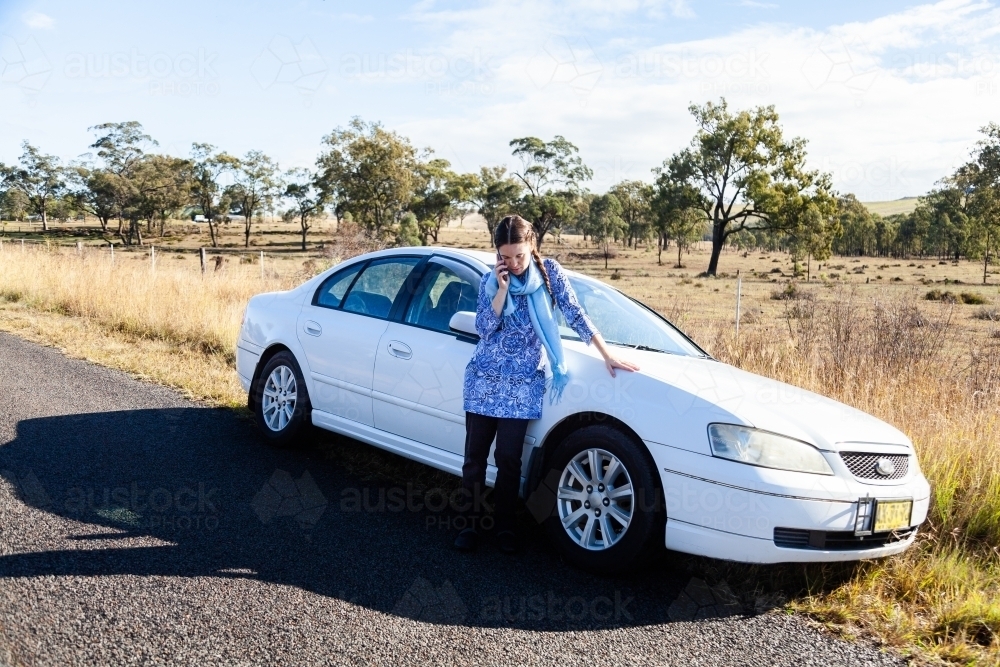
{"points": [[504, 381]]}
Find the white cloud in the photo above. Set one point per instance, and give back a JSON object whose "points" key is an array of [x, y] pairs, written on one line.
{"points": [[882, 120], [758, 5], [38, 20]]}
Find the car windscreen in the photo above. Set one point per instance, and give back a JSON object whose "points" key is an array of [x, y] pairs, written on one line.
{"points": [[624, 322]]}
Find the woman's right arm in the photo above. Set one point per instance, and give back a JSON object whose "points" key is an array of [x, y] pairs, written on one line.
{"points": [[487, 319]]}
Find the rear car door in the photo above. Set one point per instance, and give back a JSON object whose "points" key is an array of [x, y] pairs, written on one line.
{"points": [[420, 363], [340, 330]]}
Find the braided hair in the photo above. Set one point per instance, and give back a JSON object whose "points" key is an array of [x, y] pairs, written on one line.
{"points": [[515, 229]]}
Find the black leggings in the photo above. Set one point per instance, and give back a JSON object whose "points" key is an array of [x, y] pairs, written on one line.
{"points": [[479, 433]]}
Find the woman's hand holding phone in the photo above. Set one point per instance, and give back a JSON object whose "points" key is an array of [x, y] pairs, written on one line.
{"points": [[503, 281], [503, 276]]}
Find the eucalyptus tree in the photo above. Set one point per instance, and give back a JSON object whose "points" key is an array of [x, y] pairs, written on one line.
{"points": [[121, 148], [256, 180], [207, 191], [302, 187], [750, 175], [40, 179], [552, 174], [606, 224], [635, 197], [495, 194], [371, 173]]}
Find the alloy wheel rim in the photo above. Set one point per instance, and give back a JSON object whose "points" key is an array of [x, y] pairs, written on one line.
{"points": [[278, 403], [595, 499]]}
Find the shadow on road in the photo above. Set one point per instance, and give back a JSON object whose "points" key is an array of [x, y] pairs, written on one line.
{"points": [[229, 506]]}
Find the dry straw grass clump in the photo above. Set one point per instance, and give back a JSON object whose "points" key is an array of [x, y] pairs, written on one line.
{"points": [[907, 365]]}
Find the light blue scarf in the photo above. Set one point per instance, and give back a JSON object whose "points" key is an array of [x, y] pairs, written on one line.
{"points": [[543, 320]]}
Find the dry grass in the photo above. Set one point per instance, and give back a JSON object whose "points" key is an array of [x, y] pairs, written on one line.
{"points": [[930, 368]]}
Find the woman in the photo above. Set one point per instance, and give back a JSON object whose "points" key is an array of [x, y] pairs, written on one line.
{"points": [[504, 383]]}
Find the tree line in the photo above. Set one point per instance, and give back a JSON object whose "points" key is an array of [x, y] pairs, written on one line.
{"points": [[740, 182]]}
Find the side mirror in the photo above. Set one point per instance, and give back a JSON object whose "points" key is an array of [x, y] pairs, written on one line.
{"points": [[464, 321]]}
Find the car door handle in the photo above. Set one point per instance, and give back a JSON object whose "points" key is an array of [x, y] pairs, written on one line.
{"points": [[401, 350], [313, 328]]}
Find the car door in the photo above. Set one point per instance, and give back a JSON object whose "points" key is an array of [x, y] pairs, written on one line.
{"points": [[340, 330], [420, 363]]}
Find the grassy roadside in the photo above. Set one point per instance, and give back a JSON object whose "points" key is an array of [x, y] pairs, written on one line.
{"points": [[911, 363]]}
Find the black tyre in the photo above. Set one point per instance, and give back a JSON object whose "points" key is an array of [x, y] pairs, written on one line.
{"points": [[607, 512], [280, 401]]}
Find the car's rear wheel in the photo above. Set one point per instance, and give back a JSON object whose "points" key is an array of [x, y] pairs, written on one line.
{"points": [[281, 401], [607, 505]]}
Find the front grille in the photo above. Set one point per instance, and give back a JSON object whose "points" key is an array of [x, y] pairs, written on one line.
{"points": [[846, 540], [862, 464]]}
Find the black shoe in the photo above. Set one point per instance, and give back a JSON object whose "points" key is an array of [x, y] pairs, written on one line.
{"points": [[467, 540], [507, 541]]}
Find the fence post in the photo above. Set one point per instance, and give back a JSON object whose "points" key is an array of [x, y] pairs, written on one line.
{"points": [[152, 257], [79, 248], [261, 264], [739, 292], [201, 251], [112, 251], [22, 245]]}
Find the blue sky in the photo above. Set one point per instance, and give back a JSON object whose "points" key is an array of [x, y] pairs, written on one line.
{"points": [[889, 94]]}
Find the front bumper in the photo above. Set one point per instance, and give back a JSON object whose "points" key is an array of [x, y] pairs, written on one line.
{"points": [[730, 511]]}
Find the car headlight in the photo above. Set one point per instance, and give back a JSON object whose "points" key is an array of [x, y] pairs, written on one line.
{"points": [[760, 448]]}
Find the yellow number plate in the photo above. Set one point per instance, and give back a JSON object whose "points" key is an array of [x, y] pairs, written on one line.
{"points": [[892, 515]]}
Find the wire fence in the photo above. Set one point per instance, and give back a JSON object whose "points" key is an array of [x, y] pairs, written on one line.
{"points": [[210, 259]]}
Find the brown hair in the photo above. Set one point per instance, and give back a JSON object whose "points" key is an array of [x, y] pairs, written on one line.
{"points": [[515, 229]]}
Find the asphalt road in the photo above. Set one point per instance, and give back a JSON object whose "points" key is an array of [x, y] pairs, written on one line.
{"points": [[137, 527]]}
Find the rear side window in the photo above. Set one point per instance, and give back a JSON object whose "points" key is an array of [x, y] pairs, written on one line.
{"points": [[331, 293], [377, 286]]}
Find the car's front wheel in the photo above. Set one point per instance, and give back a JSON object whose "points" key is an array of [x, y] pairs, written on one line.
{"points": [[280, 400], [608, 507]]}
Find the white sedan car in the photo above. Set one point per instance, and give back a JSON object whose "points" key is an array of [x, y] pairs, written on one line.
{"points": [[688, 451]]}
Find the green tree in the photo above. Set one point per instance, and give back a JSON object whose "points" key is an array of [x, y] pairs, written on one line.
{"points": [[13, 203], [437, 197], [39, 178], [552, 174], [370, 172], [858, 224], [980, 181], [672, 203], [407, 231], [302, 188], [122, 148], [207, 192], [635, 198], [749, 175], [256, 180], [605, 222], [495, 194], [94, 191]]}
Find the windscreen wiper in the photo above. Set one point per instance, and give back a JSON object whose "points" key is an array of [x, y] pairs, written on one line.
{"points": [[644, 348]]}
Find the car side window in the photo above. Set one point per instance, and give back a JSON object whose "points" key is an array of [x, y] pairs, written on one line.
{"points": [[377, 286], [445, 288], [331, 293]]}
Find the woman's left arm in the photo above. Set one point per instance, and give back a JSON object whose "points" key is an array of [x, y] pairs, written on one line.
{"points": [[577, 319]]}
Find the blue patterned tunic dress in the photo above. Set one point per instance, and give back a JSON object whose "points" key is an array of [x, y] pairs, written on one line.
{"points": [[505, 377]]}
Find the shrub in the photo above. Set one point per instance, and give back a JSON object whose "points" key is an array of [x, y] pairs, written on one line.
{"points": [[972, 298], [989, 314], [789, 293]]}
